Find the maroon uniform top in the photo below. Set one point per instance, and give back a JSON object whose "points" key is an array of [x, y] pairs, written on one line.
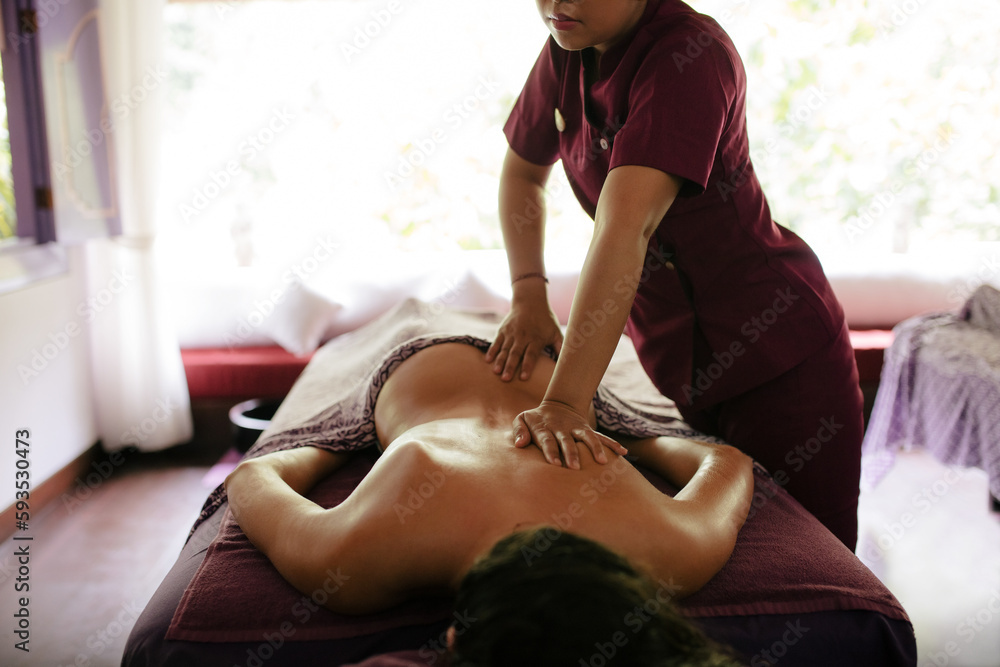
{"points": [[728, 299]]}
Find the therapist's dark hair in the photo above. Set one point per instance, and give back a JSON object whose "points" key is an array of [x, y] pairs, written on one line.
{"points": [[547, 597]]}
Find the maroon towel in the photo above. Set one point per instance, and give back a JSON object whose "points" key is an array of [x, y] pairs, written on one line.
{"points": [[238, 596], [785, 561]]}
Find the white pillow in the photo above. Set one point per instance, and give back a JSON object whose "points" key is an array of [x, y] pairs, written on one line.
{"points": [[300, 319]]}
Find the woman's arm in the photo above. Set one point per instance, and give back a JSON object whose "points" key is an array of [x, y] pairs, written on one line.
{"points": [[715, 481], [716, 489], [632, 203], [531, 325], [297, 535], [716, 478]]}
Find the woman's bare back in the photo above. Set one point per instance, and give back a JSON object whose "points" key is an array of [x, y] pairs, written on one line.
{"points": [[451, 483]]}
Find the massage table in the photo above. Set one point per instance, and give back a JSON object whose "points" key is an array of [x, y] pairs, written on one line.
{"points": [[791, 593]]}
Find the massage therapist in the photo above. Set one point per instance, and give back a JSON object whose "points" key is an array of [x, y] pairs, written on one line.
{"points": [[731, 315]]}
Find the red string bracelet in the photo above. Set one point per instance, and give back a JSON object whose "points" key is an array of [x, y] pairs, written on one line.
{"points": [[534, 274]]}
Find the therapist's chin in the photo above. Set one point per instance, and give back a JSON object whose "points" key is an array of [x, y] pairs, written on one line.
{"points": [[570, 42]]}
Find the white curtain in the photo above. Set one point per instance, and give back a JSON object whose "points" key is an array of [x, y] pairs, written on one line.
{"points": [[141, 393]]}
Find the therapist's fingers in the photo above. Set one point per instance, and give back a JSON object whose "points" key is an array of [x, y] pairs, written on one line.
{"points": [[495, 348], [569, 451], [502, 354], [514, 356], [549, 446], [528, 361], [593, 443], [611, 443], [521, 431]]}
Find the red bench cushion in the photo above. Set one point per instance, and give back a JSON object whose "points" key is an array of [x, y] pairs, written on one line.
{"points": [[269, 372]]}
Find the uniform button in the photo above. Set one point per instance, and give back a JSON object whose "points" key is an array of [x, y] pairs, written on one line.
{"points": [[669, 265], [560, 121], [604, 144]]}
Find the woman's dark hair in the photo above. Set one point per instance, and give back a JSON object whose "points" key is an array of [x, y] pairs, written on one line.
{"points": [[547, 597]]}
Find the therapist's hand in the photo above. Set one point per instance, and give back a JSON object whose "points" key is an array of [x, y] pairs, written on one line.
{"points": [[527, 330], [556, 427]]}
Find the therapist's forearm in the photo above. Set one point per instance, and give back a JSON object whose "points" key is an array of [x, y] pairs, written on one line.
{"points": [[600, 310], [522, 221]]}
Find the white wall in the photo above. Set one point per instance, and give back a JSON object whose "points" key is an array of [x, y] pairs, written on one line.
{"points": [[55, 404]]}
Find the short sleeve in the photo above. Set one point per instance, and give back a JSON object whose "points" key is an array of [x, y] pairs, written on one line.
{"points": [[679, 106], [530, 128]]}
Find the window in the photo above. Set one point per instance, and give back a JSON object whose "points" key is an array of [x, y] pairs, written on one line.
{"points": [[8, 209], [25, 199], [375, 121], [872, 124]]}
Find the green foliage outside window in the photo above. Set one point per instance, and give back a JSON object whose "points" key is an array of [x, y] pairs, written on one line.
{"points": [[872, 123], [8, 215]]}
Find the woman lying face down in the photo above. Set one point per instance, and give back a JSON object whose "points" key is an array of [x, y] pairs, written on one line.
{"points": [[550, 554]]}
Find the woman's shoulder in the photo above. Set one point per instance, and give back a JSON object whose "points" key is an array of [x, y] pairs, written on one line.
{"points": [[683, 41], [677, 28]]}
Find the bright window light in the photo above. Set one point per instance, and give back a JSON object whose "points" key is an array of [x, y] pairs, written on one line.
{"points": [[8, 211], [872, 124]]}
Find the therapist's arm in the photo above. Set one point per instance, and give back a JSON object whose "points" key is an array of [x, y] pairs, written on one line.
{"points": [[531, 325], [632, 203]]}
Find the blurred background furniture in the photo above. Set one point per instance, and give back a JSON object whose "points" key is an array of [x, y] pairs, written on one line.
{"points": [[940, 391]]}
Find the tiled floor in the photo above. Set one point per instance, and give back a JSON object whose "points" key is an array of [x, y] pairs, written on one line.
{"points": [[925, 530]]}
